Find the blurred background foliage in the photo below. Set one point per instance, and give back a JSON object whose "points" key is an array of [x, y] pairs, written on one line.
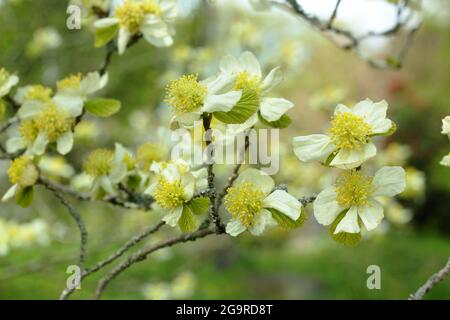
{"points": [[37, 244]]}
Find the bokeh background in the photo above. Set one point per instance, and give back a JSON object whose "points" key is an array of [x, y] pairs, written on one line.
{"points": [[38, 243]]}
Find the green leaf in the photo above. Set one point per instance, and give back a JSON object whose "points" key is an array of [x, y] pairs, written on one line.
{"points": [[350, 239], [281, 123], [242, 111], [2, 108], [393, 63], [286, 222], [102, 107], [330, 158], [105, 35], [24, 197], [187, 220], [199, 206]]}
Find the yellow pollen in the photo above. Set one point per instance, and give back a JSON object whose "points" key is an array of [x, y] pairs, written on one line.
{"points": [[349, 131], [147, 153], [131, 14], [247, 83], [39, 93], [98, 162], [353, 189], [23, 172], [28, 131], [53, 122], [244, 202], [129, 161], [185, 94], [70, 82], [169, 195]]}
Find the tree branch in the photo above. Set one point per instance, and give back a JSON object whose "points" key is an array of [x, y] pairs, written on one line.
{"points": [[431, 282]]}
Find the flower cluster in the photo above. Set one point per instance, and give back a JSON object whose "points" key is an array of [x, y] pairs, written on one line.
{"points": [[151, 19], [352, 201], [446, 130]]}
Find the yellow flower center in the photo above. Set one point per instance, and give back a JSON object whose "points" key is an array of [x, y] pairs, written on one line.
{"points": [[28, 131], [4, 75], [147, 153], [98, 162], [353, 189], [70, 82], [185, 94], [349, 131], [131, 14], [23, 172], [129, 160], [39, 93], [169, 195], [53, 122], [247, 83], [244, 202]]}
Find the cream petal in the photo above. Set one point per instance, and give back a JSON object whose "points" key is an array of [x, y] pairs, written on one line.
{"points": [[173, 216], [259, 178], [65, 143], [349, 223], [353, 158], [220, 83], [273, 108], [221, 102], [15, 144], [340, 108], [91, 83], [105, 22], [122, 40], [229, 65], [106, 184], [6, 87], [250, 63], [283, 202], [263, 220], [235, 227], [73, 104], [187, 119], [188, 184], [313, 147], [201, 181], [10, 193], [326, 209], [371, 214], [29, 109], [273, 79], [374, 114], [389, 181], [40, 144]]}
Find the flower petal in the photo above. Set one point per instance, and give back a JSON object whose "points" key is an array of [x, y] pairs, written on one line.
{"points": [[263, 220], [65, 143], [326, 209], [173, 216], [221, 102], [73, 104], [40, 144], [313, 147], [10, 193], [273, 108], [371, 214], [229, 65], [389, 181], [122, 40], [352, 158], [259, 178], [235, 227], [105, 22], [349, 223], [29, 109], [250, 63], [374, 114], [340, 108], [273, 79], [15, 144], [283, 202]]}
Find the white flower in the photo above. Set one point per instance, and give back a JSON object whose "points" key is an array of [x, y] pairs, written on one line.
{"points": [[252, 201], [191, 98], [248, 77], [23, 173], [446, 161], [7, 81], [175, 186], [152, 18], [107, 168], [355, 195], [446, 126], [348, 143], [45, 119]]}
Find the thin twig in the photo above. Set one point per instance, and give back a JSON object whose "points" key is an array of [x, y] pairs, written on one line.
{"points": [[431, 282], [142, 254]]}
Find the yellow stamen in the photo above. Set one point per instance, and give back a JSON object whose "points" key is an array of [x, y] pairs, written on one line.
{"points": [[353, 189], [98, 162], [247, 83], [39, 93], [186, 94], [28, 131], [169, 195], [70, 82], [23, 172], [349, 131], [244, 202], [131, 14], [53, 122], [147, 153]]}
